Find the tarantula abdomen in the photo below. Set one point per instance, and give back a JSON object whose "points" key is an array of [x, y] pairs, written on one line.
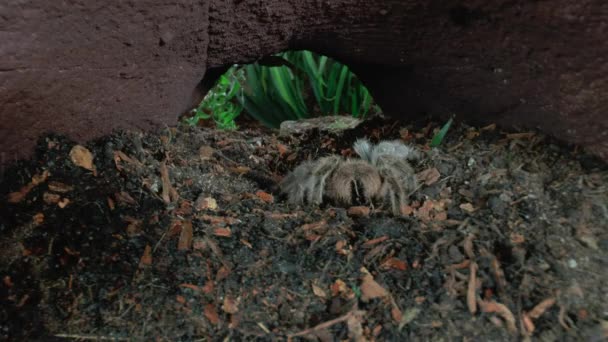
{"points": [[354, 181]]}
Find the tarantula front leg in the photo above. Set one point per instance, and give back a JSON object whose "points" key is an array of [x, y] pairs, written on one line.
{"points": [[321, 171], [354, 176], [398, 180], [297, 184]]}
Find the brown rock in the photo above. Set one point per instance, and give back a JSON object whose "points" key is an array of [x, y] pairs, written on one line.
{"points": [[524, 63]]}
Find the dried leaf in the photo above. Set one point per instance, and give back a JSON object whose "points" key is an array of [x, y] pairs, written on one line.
{"points": [[82, 157], [370, 289], [318, 291], [355, 328], [428, 176]]}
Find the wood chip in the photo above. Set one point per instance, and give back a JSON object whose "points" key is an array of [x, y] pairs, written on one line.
{"points": [[211, 314], [230, 305], [372, 242], [206, 152], [264, 196], [185, 236], [82, 157], [60, 187], [146, 258], [204, 202], [359, 211], [468, 207], [318, 291], [223, 232], [394, 264]]}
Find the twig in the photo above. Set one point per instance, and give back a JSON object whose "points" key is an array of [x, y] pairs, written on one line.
{"points": [[471, 298], [91, 337], [325, 325]]}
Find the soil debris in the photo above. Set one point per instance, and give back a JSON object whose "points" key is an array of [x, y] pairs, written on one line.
{"points": [[183, 235]]}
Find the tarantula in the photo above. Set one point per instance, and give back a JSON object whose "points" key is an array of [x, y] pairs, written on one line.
{"points": [[382, 174]]}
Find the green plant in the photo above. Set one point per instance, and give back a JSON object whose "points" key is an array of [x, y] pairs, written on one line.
{"points": [[272, 94], [284, 87], [220, 103], [438, 137]]}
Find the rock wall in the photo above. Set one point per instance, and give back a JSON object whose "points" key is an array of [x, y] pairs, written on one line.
{"points": [[86, 67]]}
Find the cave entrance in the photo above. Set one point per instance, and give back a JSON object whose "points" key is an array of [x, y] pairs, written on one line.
{"points": [[291, 85]]}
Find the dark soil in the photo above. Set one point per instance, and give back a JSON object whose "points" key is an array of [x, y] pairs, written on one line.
{"points": [[506, 238]]}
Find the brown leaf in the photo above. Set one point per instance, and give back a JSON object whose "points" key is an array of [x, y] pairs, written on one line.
{"points": [[185, 236], [211, 314], [370, 289], [428, 176], [63, 203], [82, 157], [146, 258]]}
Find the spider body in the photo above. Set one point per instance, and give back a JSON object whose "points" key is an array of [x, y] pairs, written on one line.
{"points": [[382, 174]]}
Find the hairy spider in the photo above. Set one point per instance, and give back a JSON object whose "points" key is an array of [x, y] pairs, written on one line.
{"points": [[382, 174]]}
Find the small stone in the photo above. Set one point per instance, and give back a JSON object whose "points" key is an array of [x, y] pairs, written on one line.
{"points": [[572, 263]]}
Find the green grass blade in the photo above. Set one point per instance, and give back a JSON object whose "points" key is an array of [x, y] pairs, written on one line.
{"points": [[438, 138]]}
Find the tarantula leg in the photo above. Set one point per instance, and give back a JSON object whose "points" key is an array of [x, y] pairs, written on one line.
{"points": [[297, 184], [351, 175], [320, 173]]}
